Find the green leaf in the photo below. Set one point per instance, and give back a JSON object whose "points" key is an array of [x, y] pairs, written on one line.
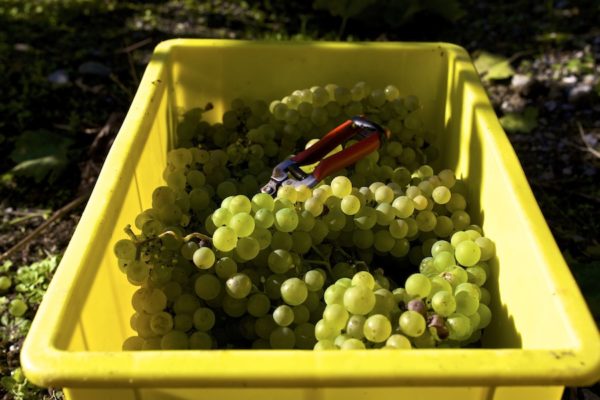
{"points": [[397, 13], [40, 168], [6, 177], [447, 9], [493, 67], [593, 251], [574, 65], [40, 154], [343, 8], [554, 37], [523, 122], [36, 144], [7, 383]]}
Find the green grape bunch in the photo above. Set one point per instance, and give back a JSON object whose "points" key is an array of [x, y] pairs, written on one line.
{"points": [[381, 255]]}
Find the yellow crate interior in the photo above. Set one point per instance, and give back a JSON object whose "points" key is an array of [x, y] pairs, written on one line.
{"points": [[450, 104]]}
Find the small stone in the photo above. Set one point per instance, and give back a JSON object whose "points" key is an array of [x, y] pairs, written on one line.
{"points": [[580, 93], [569, 80], [513, 103], [22, 47], [591, 139], [589, 79], [520, 81], [59, 77]]}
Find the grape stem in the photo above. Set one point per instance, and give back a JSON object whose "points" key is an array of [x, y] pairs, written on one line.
{"points": [[317, 262], [139, 243], [130, 233], [326, 264], [344, 253], [319, 253], [191, 236], [185, 239]]}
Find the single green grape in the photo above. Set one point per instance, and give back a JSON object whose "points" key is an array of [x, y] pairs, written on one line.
{"points": [[377, 328], [203, 319], [259, 305], [286, 220], [350, 204], [175, 340], [418, 285], [125, 249], [161, 323], [336, 315], [359, 300], [207, 286], [238, 286], [325, 330], [412, 323], [294, 291], [204, 258], [443, 303], [225, 238], [353, 344], [283, 315], [341, 186], [459, 326], [242, 224], [467, 253], [200, 341], [398, 341], [314, 280]]}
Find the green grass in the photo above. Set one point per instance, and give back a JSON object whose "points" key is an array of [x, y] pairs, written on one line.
{"points": [[28, 283]]}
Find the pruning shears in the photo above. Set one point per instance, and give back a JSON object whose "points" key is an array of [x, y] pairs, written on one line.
{"points": [[288, 172]]}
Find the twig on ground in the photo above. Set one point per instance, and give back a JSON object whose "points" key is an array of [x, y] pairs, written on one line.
{"points": [[57, 215], [98, 150], [135, 46], [589, 148], [25, 217], [128, 50], [120, 84], [132, 70], [108, 131]]}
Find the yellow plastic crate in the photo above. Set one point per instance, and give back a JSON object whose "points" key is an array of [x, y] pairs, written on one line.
{"points": [[542, 336]]}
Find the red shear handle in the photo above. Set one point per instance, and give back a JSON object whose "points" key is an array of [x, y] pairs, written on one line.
{"points": [[317, 151], [347, 156]]}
